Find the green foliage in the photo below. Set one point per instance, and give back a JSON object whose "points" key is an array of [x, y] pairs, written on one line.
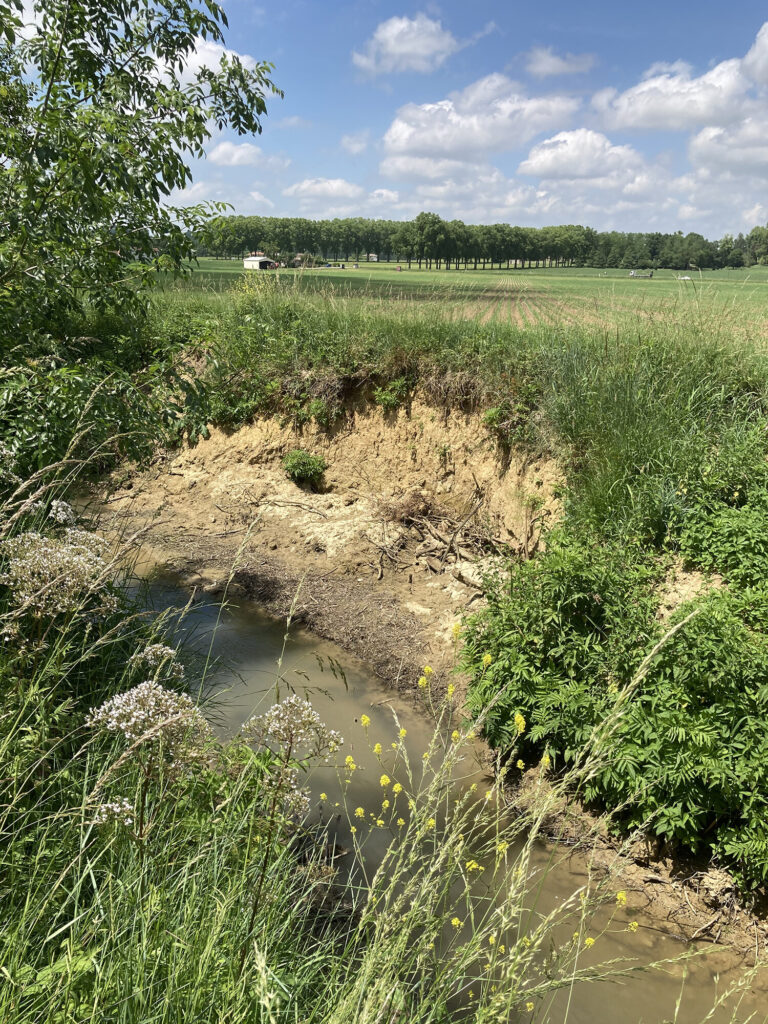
{"points": [[511, 422], [83, 183], [392, 395], [97, 413], [559, 629], [304, 468], [566, 634]]}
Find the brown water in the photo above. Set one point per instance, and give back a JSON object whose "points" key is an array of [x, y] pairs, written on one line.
{"points": [[241, 647]]}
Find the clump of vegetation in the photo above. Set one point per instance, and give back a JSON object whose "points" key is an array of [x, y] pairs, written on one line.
{"points": [[392, 395], [303, 467]]}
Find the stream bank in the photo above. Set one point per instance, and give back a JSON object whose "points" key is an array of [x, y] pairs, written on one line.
{"points": [[382, 560]]}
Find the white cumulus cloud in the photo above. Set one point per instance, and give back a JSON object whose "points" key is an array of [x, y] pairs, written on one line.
{"points": [[676, 100], [406, 44], [384, 195], [424, 168], [259, 197], [323, 188], [542, 61], [756, 61], [245, 154], [492, 114], [741, 147], [581, 153]]}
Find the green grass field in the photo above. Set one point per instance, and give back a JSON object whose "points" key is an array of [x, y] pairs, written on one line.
{"points": [[583, 297]]}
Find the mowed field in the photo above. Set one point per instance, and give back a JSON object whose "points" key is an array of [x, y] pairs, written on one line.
{"points": [[736, 300]]}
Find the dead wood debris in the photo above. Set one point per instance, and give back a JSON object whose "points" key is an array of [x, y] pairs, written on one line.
{"points": [[445, 536]]}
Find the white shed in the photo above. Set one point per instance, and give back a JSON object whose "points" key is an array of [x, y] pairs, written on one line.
{"points": [[258, 263]]}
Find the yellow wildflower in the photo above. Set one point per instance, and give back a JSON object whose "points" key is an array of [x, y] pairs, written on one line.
{"points": [[487, 659], [455, 735], [365, 721], [472, 865], [521, 765], [546, 762], [519, 723], [359, 812], [401, 822], [397, 788], [525, 941], [589, 942], [380, 823], [621, 898], [632, 926], [377, 749], [323, 796], [422, 682], [403, 733], [384, 780], [456, 922], [393, 745], [353, 830], [451, 690], [492, 940], [456, 630], [502, 948], [428, 671], [384, 805], [529, 1006], [471, 735], [502, 847], [431, 823], [349, 761]]}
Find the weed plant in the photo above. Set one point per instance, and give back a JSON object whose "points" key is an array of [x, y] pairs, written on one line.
{"points": [[151, 873]]}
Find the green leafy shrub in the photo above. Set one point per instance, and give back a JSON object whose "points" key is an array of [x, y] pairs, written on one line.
{"points": [[564, 635], [559, 629], [304, 468], [392, 395]]}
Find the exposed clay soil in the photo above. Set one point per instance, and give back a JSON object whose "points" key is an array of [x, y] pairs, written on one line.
{"points": [[415, 505]]}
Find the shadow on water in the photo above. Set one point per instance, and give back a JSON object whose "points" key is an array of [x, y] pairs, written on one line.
{"points": [[248, 656]]}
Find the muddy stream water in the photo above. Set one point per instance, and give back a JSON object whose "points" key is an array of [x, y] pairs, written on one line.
{"points": [[242, 646]]}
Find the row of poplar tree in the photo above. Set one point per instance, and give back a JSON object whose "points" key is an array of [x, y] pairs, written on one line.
{"points": [[430, 241]]}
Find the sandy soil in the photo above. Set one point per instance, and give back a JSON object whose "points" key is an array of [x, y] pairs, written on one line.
{"points": [[414, 506]]}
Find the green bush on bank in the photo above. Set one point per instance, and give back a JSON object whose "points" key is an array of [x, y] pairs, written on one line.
{"points": [[567, 632]]}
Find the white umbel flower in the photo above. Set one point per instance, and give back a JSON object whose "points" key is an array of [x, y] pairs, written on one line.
{"points": [[56, 575], [154, 714]]}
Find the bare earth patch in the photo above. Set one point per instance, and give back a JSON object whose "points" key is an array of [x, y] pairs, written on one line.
{"points": [[413, 507]]}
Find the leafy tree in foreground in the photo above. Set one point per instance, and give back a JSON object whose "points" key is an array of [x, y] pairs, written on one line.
{"points": [[103, 105]]}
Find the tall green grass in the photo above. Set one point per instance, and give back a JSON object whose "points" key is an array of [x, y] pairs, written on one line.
{"points": [[155, 876]]}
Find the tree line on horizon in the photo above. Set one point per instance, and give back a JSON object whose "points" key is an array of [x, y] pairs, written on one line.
{"points": [[430, 241]]}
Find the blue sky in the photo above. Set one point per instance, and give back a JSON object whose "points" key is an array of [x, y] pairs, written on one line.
{"points": [[636, 116]]}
